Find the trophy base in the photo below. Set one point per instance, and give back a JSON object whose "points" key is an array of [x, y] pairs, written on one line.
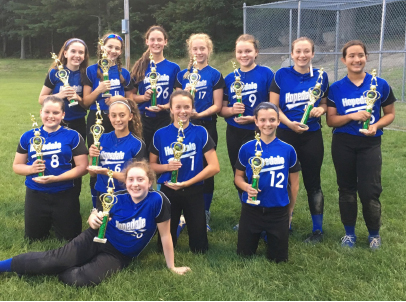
{"points": [[106, 95], [256, 202], [172, 183], [304, 126], [154, 107], [97, 239], [73, 104], [94, 168], [363, 131], [42, 176]]}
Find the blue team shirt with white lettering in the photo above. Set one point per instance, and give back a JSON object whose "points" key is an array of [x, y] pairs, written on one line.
{"points": [[294, 94], [348, 98], [168, 71], [116, 87], [58, 151], [273, 179], [133, 225], [116, 153], [210, 77], [257, 83], [197, 142], [54, 83]]}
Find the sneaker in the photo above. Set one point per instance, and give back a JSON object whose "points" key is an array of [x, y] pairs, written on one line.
{"points": [[181, 225], [374, 242], [236, 227], [316, 237], [348, 241], [208, 228], [208, 214]]}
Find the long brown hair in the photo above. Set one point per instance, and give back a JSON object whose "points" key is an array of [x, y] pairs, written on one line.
{"points": [[209, 45], [135, 125], [64, 61], [141, 65], [118, 60]]}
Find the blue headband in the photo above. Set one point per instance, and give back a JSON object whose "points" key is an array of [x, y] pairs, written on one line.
{"points": [[75, 40]]}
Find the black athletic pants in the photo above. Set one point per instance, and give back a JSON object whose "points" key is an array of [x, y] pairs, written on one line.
{"points": [[80, 126], [211, 127], [60, 210], [236, 137], [190, 201], [358, 164], [310, 152], [151, 124], [274, 221], [80, 262]]}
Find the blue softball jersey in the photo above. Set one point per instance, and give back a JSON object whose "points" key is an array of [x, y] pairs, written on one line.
{"points": [[257, 84], [211, 79], [75, 81], [116, 153], [58, 151], [348, 98], [279, 158], [168, 71], [133, 225], [116, 87], [293, 89], [197, 142]]}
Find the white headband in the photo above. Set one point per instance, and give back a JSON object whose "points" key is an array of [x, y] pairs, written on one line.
{"points": [[121, 102]]}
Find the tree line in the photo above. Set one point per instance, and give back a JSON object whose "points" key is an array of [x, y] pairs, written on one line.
{"points": [[34, 28]]}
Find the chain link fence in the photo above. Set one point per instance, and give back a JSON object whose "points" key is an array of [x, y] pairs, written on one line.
{"points": [[380, 24]]}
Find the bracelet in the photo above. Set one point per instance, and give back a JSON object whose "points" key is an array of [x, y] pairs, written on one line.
{"points": [[93, 210]]}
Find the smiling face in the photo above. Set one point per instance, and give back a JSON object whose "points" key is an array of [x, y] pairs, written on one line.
{"points": [[156, 42], [51, 116], [200, 50], [113, 47], [355, 59], [267, 121], [181, 109], [120, 116], [302, 55], [75, 55], [137, 184], [245, 53]]}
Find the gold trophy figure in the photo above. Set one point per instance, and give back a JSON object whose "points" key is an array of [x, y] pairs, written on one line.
{"points": [[256, 163], [315, 94], [153, 77], [97, 130], [194, 77], [63, 75], [108, 200], [37, 141], [237, 85], [370, 96], [178, 148], [105, 65]]}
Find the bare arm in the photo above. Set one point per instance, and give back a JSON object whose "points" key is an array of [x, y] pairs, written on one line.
{"points": [[239, 180], [230, 111], [387, 118], [90, 96], [141, 98], [162, 168], [335, 120], [320, 110], [215, 108], [20, 165], [167, 246]]}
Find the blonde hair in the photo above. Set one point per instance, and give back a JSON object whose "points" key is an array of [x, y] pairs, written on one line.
{"points": [[193, 37]]}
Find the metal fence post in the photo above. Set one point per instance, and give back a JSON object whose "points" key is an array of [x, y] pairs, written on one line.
{"points": [[290, 36], [298, 19], [244, 10], [382, 36], [404, 72]]}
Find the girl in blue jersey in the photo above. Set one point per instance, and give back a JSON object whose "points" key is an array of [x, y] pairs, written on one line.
{"points": [[271, 215], [134, 220], [290, 92], [187, 194], [357, 155], [119, 147], [208, 97], [257, 82], [156, 39], [52, 200], [119, 83], [74, 56]]}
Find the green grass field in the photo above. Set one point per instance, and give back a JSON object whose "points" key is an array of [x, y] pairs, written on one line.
{"points": [[322, 272]]}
